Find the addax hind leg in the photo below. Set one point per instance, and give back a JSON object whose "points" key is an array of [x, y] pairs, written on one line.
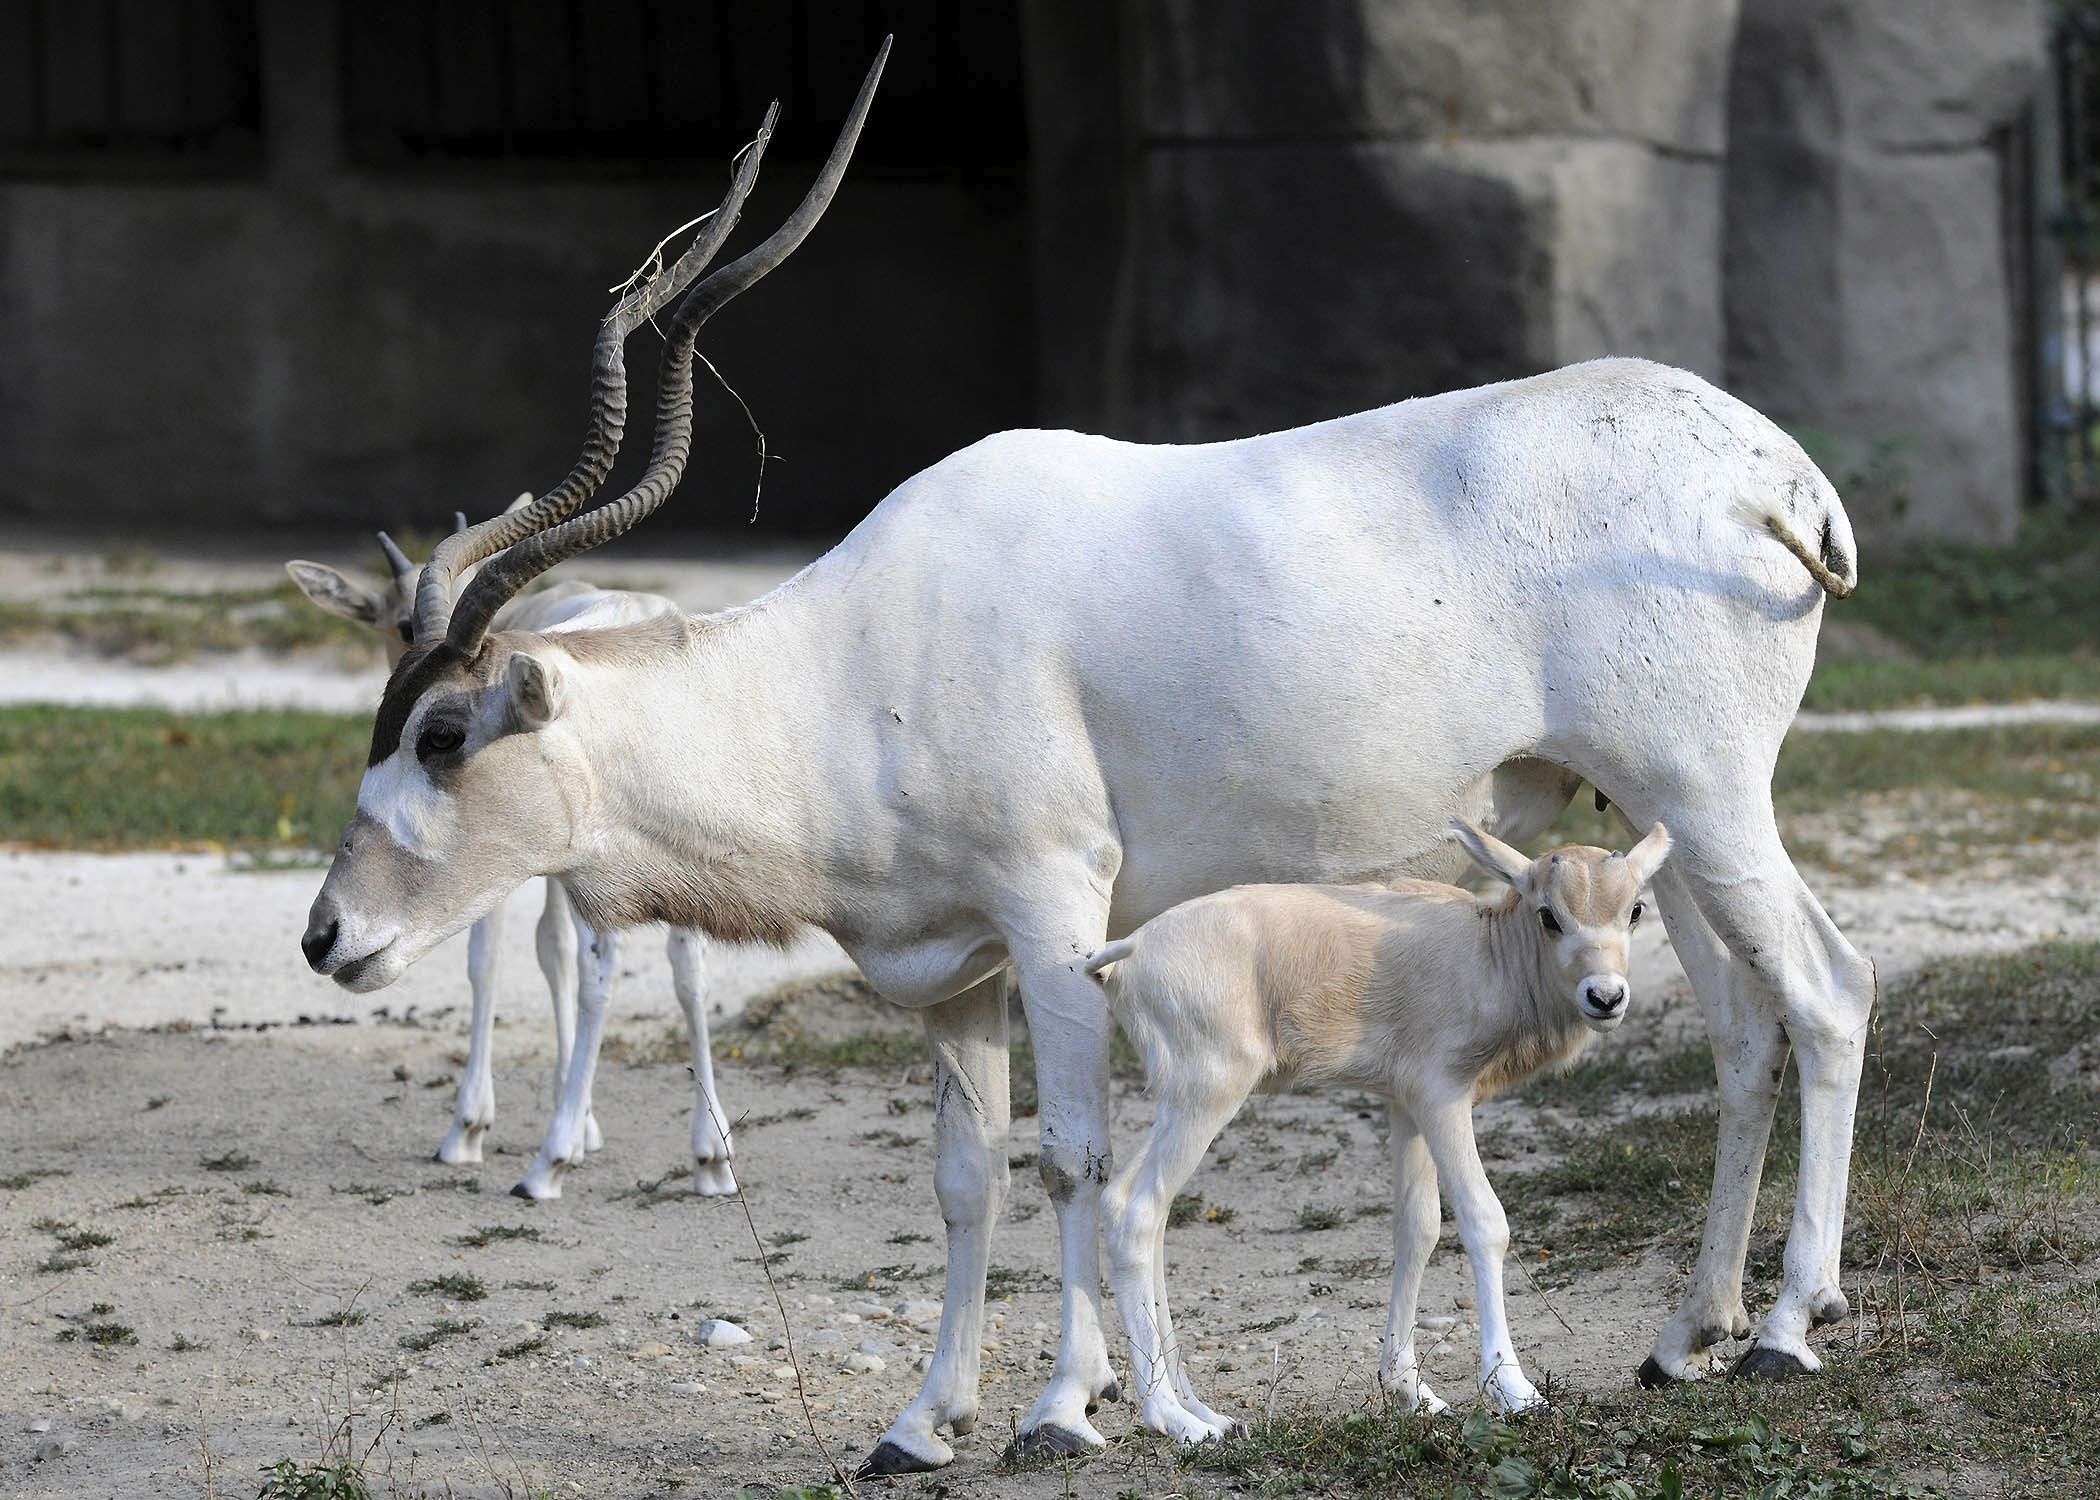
{"points": [[1069, 1023], [713, 1150], [567, 1138], [1771, 969], [971, 1116]]}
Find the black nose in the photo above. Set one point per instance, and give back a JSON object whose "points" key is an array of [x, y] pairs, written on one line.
{"points": [[320, 937], [1607, 998]]}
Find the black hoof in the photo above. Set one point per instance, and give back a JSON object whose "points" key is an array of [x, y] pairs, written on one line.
{"points": [[1829, 1309], [1047, 1441], [1652, 1376], [1111, 1393], [519, 1192], [1767, 1364], [888, 1459]]}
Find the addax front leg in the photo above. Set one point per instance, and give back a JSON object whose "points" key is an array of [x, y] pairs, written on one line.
{"points": [[971, 1116], [474, 1111], [1447, 1128], [1415, 1223], [1069, 1023], [713, 1150], [564, 1146]]}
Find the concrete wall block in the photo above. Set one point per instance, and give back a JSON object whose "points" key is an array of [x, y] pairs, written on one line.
{"points": [[1287, 284], [1437, 70]]}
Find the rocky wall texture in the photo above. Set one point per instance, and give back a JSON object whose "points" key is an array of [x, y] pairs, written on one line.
{"points": [[1335, 205], [1869, 269]]}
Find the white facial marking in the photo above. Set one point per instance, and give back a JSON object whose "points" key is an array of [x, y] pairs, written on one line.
{"points": [[397, 795]]}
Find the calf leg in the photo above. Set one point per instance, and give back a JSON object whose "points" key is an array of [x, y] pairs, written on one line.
{"points": [[1415, 1224], [971, 1117], [565, 1144], [1447, 1129], [1193, 1108], [474, 1111], [713, 1151]]}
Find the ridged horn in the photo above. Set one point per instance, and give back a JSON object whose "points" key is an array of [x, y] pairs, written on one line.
{"points": [[497, 583], [608, 421]]}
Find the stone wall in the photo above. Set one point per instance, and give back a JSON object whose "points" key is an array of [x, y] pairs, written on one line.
{"points": [[321, 346], [1329, 206], [1869, 271]]}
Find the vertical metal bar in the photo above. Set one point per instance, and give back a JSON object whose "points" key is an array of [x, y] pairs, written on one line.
{"points": [[2079, 221], [2045, 209]]}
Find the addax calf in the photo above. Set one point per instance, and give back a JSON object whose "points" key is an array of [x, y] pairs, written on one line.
{"points": [[1417, 991]]}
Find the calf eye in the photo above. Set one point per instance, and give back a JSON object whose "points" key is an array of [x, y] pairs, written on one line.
{"points": [[439, 739], [408, 633], [1549, 921], [1633, 920]]}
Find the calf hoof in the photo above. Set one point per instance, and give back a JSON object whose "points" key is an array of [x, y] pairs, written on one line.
{"points": [[1829, 1307], [888, 1459], [1768, 1364], [1652, 1376], [1049, 1441], [1109, 1393]]}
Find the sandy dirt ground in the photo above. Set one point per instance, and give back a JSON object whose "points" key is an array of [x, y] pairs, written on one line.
{"points": [[272, 1209]]}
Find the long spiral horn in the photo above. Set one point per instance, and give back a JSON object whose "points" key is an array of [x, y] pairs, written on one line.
{"points": [[456, 553], [498, 582]]}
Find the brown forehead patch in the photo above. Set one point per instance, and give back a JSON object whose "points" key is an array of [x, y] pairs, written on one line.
{"points": [[419, 667]]}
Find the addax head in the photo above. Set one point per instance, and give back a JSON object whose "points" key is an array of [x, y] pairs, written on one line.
{"points": [[389, 608], [482, 771], [472, 787], [1585, 903]]}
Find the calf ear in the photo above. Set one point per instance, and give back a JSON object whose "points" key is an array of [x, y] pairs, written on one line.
{"points": [[333, 592], [1491, 854], [1646, 857], [535, 691]]}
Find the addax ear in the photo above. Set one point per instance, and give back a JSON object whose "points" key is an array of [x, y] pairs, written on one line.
{"points": [[1490, 853], [535, 691], [1646, 857], [333, 592]]}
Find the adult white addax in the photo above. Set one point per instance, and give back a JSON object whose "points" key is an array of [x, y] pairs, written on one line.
{"points": [[581, 991], [1415, 991], [1056, 684]]}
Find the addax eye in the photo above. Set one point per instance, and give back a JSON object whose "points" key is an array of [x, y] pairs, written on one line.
{"points": [[408, 633], [1634, 917], [439, 739], [1549, 921]]}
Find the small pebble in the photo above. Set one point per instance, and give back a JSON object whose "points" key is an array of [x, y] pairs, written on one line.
{"points": [[688, 1388], [918, 1310], [880, 1348], [1435, 1322], [720, 1333], [52, 1447], [874, 1312], [41, 1424], [859, 1363]]}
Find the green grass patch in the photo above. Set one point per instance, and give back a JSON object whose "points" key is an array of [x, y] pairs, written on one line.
{"points": [[1856, 684], [107, 778], [460, 1286], [574, 1320]]}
